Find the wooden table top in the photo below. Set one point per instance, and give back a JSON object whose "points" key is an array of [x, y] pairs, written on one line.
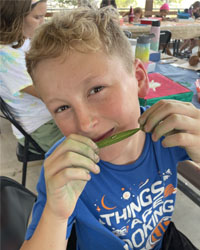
{"points": [[179, 30]]}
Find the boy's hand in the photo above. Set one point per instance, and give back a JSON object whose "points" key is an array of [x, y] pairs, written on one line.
{"points": [[178, 121], [67, 171]]}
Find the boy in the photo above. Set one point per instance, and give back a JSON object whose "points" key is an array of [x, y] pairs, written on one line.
{"points": [[127, 199]]}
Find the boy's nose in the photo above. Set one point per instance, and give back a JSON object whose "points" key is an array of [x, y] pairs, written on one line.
{"points": [[86, 119]]}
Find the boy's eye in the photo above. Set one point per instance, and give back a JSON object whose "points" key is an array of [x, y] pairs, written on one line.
{"points": [[62, 108], [39, 17], [96, 90]]}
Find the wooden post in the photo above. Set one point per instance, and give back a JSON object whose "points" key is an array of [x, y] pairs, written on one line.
{"points": [[148, 7]]}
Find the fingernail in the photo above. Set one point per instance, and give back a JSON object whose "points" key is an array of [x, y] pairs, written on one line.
{"points": [[96, 157], [88, 177], [97, 169], [96, 150], [146, 129], [142, 127], [141, 121]]}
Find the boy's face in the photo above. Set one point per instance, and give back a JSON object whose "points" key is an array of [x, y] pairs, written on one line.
{"points": [[91, 95]]}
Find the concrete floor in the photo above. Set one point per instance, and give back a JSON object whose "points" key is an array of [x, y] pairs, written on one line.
{"points": [[186, 215]]}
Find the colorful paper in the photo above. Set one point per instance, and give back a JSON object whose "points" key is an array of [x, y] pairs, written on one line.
{"points": [[161, 87]]}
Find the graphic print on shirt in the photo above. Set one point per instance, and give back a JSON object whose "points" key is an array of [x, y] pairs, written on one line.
{"points": [[141, 214], [7, 58]]}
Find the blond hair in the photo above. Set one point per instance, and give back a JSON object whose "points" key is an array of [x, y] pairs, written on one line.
{"points": [[84, 30]]}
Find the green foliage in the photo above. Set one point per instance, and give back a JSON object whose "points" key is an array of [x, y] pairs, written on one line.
{"points": [[63, 3], [120, 3], [126, 3], [157, 3], [174, 3]]}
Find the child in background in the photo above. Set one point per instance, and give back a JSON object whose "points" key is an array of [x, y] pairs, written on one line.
{"points": [[138, 13], [19, 19], [121, 196], [164, 10]]}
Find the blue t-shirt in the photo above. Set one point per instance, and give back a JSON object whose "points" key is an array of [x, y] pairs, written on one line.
{"points": [[125, 206]]}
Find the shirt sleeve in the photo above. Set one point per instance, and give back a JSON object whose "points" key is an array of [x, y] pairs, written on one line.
{"points": [[13, 71]]}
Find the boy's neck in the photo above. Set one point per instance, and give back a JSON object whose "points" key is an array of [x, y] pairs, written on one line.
{"points": [[132, 151]]}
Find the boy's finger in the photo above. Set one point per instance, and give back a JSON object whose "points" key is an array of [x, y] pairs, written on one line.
{"points": [[71, 145], [84, 140], [66, 175], [174, 124], [76, 142], [70, 160], [181, 139], [163, 109]]}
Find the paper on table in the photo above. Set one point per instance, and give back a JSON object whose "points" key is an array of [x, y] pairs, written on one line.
{"points": [[186, 65]]}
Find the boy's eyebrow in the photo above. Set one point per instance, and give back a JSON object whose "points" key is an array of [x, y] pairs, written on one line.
{"points": [[89, 79], [54, 100]]}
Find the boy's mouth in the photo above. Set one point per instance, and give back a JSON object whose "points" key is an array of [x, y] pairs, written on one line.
{"points": [[107, 134]]}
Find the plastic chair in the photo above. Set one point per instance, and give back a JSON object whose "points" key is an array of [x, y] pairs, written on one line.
{"points": [[128, 33], [165, 37], [16, 204], [22, 152]]}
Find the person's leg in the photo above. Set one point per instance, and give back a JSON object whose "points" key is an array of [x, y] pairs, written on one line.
{"points": [[194, 43], [46, 135], [168, 51], [185, 44]]}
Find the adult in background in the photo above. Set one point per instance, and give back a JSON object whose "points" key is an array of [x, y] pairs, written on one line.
{"points": [[19, 19], [189, 44]]}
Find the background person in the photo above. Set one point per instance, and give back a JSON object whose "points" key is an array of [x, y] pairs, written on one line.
{"points": [[189, 44], [19, 19], [105, 3], [164, 10], [138, 13], [117, 196]]}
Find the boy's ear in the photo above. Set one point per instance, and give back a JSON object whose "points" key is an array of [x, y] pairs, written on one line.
{"points": [[142, 78]]}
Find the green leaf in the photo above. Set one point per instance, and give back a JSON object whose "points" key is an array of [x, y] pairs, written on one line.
{"points": [[116, 138]]}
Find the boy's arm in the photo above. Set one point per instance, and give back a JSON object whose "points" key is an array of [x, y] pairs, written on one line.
{"points": [[67, 171], [178, 122], [49, 234]]}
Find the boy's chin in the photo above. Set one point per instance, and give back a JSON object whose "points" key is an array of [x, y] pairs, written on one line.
{"points": [[111, 154]]}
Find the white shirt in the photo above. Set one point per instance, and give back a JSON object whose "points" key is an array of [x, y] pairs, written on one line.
{"points": [[30, 111]]}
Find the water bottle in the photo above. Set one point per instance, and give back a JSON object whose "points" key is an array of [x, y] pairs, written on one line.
{"points": [[155, 29], [143, 48]]}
